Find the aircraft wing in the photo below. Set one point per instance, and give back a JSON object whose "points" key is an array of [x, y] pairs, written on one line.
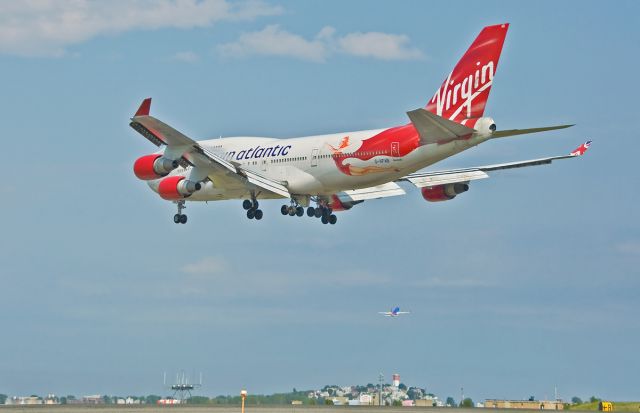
{"points": [[372, 192], [181, 147], [424, 179]]}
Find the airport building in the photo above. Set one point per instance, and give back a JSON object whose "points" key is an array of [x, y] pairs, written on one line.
{"points": [[524, 404], [24, 400]]}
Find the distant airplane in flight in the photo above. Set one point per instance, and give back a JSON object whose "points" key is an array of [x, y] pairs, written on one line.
{"points": [[393, 313], [337, 171]]}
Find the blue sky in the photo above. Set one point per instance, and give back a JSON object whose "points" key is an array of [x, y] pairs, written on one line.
{"points": [[528, 281]]}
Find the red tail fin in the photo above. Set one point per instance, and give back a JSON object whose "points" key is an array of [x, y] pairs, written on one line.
{"points": [[464, 93]]}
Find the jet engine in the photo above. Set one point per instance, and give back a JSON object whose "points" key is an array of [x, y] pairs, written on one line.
{"points": [[153, 167], [174, 188], [444, 192], [339, 205]]}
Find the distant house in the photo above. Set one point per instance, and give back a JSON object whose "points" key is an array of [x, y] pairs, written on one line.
{"points": [[94, 399], [366, 399], [163, 402], [339, 400], [24, 400]]}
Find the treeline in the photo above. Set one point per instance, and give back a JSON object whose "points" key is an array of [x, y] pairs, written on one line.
{"points": [[258, 399]]}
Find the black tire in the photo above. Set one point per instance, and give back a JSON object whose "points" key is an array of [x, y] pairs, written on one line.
{"points": [[284, 210], [311, 212], [258, 214], [292, 211], [299, 211], [333, 219], [183, 219], [176, 218], [255, 204], [324, 220], [251, 213], [318, 212], [246, 204]]}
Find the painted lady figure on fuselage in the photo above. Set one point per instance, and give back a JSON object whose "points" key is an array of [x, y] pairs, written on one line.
{"points": [[381, 148]]}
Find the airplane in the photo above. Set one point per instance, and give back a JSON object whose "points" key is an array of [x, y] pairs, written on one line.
{"points": [[337, 171], [394, 312]]}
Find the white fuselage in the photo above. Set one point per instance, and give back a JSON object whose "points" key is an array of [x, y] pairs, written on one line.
{"points": [[323, 165]]}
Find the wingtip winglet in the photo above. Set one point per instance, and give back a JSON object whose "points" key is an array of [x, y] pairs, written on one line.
{"points": [[144, 108], [580, 150]]}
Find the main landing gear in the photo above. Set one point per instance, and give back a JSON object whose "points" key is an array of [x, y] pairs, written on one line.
{"points": [[322, 211], [180, 218], [292, 210], [251, 206]]}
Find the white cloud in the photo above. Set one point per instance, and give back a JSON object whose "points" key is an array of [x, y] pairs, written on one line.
{"points": [[378, 45], [206, 266], [274, 41], [631, 248], [449, 282], [356, 278], [187, 57], [47, 28]]}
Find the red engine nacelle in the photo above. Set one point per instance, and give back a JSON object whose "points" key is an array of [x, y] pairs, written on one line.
{"points": [[443, 192], [153, 167], [174, 188], [337, 205]]}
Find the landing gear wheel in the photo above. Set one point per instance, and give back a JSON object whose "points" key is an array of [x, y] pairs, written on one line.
{"points": [[318, 212], [180, 218], [299, 211], [333, 219], [258, 214], [311, 212], [284, 210], [255, 204], [246, 204], [324, 220], [292, 211], [251, 213]]}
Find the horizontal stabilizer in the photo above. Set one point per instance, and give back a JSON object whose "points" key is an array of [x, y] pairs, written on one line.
{"points": [[436, 129], [513, 132]]}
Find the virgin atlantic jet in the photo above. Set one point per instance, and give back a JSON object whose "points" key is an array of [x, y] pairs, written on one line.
{"points": [[329, 173]]}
